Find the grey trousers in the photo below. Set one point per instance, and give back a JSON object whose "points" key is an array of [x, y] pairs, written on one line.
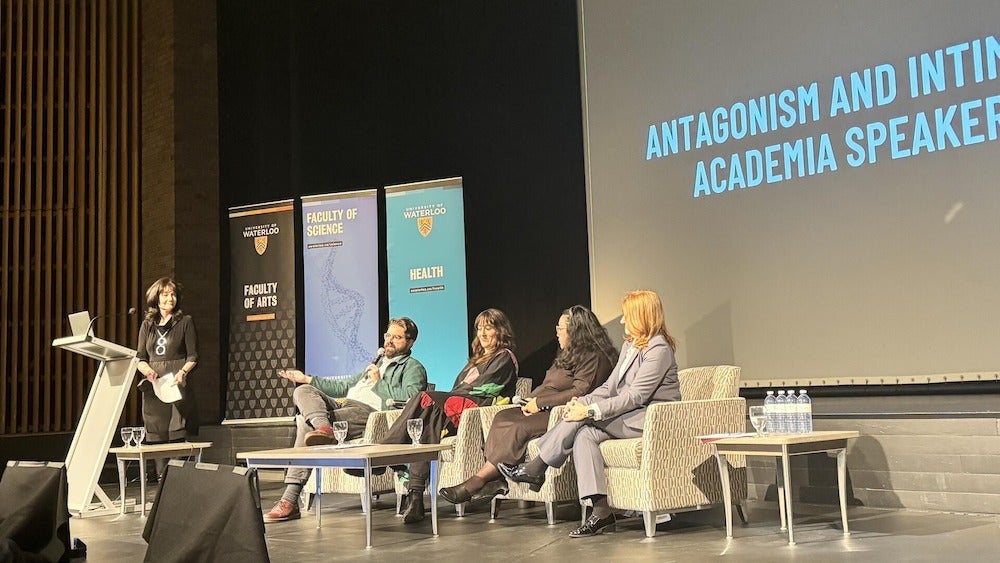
{"points": [[583, 440], [312, 403]]}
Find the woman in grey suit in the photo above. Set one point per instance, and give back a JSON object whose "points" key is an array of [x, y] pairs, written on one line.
{"points": [[646, 373]]}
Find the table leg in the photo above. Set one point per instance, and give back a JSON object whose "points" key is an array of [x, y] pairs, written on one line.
{"points": [[786, 469], [842, 486], [781, 492], [434, 496], [368, 514], [727, 495], [142, 485], [121, 483], [318, 501]]}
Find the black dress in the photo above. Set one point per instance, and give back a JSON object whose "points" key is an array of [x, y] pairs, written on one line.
{"points": [[166, 349], [512, 430]]}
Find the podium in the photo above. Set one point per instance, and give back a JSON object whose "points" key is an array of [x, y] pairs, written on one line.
{"points": [[98, 422]]}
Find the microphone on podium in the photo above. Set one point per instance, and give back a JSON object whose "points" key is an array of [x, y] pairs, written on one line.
{"points": [[131, 311]]}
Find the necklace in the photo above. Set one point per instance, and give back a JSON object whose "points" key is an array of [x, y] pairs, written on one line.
{"points": [[161, 340]]}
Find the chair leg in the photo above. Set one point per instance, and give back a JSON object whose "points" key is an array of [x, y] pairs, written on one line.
{"points": [[739, 512], [583, 513], [460, 509], [649, 520], [550, 513], [399, 503], [494, 509]]}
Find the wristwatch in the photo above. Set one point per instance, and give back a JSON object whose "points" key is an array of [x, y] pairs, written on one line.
{"points": [[591, 412]]}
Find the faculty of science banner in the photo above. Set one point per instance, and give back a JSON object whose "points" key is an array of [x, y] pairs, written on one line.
{"points": [[261, 310], [425, 239], [340, 261]]}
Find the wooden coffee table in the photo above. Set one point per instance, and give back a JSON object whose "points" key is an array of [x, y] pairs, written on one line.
{"points": [[151, 451], [782, 447], [353, 456]]}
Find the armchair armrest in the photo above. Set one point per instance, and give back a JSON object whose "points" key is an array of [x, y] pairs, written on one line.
{"points": [[669, 438]]}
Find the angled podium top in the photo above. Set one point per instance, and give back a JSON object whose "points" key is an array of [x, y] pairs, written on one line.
{"points": [[93, 347]]}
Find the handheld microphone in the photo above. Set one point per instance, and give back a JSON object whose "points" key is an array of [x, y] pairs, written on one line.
{"points": [[379, 354], [131, 311], [518, 400]]}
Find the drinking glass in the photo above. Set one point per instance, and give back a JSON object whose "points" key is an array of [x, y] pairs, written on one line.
{"points": [[415, 427], [340, 431], [758, 417], [127, 436], [139, 433]]}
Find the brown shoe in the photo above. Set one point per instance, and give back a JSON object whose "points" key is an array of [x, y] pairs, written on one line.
{"points": [[283, 511], [322, 436]]}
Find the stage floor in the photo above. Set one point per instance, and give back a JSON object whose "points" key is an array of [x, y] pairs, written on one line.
{"points": [[520, 533]]}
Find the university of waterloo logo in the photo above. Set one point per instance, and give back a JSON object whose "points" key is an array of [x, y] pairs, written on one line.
{"points": [[424, 225], [260, 245]]}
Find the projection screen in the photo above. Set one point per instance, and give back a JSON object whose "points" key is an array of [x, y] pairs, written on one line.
{"points": [[812, 187]]}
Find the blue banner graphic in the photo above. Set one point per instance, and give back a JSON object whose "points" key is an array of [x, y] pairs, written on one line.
{"points": [[340, 265], [425, 236]]}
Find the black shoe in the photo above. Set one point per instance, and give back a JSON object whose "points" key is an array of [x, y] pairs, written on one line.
{"points": [[490, 490], [414, 511], [517, 474], [455, 495], [594, 526]]}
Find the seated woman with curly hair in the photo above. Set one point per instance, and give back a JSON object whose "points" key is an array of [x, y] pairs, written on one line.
{"points": [[585, 359]]}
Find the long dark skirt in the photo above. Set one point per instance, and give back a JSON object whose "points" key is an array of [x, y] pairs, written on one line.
{"points": [[510, 433]]}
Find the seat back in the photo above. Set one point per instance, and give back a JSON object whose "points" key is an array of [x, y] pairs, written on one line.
{"points": [[709, 382], [523, 386]]}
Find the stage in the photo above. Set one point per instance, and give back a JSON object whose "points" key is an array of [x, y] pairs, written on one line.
{"points": [[520, 533]]}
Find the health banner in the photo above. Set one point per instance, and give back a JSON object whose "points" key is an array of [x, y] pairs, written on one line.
{"points": [[425, 244], [261, 309], [340, 256]]}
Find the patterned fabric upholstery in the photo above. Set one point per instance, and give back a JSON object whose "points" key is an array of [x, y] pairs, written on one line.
{"points": [[467, 457], [668, 469]]}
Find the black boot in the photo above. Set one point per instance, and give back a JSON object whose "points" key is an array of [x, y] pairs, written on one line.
{"points": [[414, 511]]}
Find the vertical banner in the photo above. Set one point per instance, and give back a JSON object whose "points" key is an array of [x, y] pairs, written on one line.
{"points": [[340, 261], [261, 309], [425, 239]]}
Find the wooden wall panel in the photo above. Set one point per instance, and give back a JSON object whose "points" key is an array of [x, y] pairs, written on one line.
{"points": [[70, 239]]}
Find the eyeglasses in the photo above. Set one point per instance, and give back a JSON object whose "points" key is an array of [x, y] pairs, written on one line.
{"points": [[394, 337]]}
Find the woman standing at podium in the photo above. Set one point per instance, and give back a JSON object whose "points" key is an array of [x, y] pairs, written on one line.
{"points": [[168, 344]]}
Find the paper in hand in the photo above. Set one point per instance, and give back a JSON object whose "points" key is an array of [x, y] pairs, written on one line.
{"points": [[166, 389]]}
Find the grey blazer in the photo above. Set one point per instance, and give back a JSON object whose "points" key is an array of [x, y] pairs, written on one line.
{"points": [[650, 377]]}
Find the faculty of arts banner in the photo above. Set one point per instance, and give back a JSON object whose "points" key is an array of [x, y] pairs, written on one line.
{"points": [[425, 238], [340, 261], [261, 310]]}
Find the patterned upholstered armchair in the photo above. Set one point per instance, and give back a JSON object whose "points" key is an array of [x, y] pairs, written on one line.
{"points": [[668, 469], [560, 482], [461, 462]]}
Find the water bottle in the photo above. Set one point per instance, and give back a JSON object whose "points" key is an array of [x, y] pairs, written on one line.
{"points": [[792, 420], [780, 404], [770, 408], [805, 412]]}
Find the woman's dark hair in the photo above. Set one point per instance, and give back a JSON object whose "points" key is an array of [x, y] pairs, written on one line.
{"points": [[586, 336], [505, 334], [153, 299]]}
